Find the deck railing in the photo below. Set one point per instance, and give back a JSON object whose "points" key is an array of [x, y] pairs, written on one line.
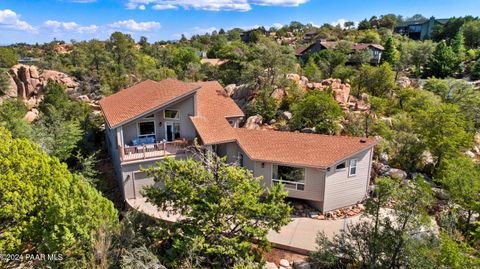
{"points": [[291, 185], [156, 150]]}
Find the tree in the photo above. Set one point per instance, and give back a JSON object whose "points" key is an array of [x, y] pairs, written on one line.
{"points": [[226, 212], [364, 25], [442, 129], [415, 55], [475, 75], [329, 60], [12, 112], [45, 208], [377, 81], [458, 46], [461, 177], [443, 62], [316, 109], [264, 104], [8, 57], [471, 32], [311, 70], [380, 240], [390, 54]]}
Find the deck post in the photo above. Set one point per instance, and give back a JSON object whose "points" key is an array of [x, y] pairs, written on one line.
{"points": [[144, 149], [122, 153]]}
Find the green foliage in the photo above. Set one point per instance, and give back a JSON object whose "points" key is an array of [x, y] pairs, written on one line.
{"points": [[59, 129], [377, 81], [12, 112], [311, 70], [264, 104], [471, 32], [414, 55], [316, 109], [329, 60], [443, 62], [443, 130], [46, 209], [475, 75], [225, 210], [390, 54], [458, 46], [460, 93], [381, 240], [461, 178], [8, 57]]}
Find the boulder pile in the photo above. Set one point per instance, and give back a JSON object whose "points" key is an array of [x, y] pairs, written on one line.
{"points": [[304, 210], [28, 82]]}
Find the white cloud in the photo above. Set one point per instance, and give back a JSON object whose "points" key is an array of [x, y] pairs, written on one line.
{"points": [[277, 25], [213, 5], [141, 7], [132, 25], [164, 7], [10, 19], [59, 27]]}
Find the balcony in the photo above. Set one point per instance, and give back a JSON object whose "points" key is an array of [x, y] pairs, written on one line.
{"points": [[152, 151], [290, 185]]}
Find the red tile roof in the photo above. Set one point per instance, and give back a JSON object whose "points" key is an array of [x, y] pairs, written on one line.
{"points": [[213, 107], [142, 98], [299, 149]]}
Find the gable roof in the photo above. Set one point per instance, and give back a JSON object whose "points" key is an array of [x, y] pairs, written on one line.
{"points": [[213, 109], [299, 149], [141, 98], [333, 44]]}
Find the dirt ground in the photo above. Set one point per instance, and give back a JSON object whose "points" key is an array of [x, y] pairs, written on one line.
{"points": [[275, 255]]}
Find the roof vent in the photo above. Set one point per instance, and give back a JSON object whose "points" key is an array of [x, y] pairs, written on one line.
{"points": [[363, 140]]}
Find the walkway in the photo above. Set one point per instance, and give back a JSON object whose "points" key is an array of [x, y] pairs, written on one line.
{"points": [[299, 235]]}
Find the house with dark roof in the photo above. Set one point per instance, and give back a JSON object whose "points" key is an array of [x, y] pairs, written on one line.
{"points": [[151, 121], [374, 50], [419, 29]]}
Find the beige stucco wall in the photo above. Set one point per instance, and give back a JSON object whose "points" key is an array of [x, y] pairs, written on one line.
{"points": [[342, 190]]}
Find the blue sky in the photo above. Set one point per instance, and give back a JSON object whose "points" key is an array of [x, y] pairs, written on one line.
{"points": [[42, 20]]}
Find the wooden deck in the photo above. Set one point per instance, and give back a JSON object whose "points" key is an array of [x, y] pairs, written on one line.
{"points": [[149, 151]]}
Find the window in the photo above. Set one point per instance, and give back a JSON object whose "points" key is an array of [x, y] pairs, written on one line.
{"points": [[176, 130], [171, 114], [341, 167], [146, 129], [352, 171], [240, 159], [291, 177]]}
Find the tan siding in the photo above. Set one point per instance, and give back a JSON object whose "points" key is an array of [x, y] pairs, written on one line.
{"points": [[187, 130], [314, 184], [342, 190]]}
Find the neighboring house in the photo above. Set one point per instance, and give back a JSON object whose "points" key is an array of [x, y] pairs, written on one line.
{"points": [[152, 120], [421, 29], [28, 60], [375, 50]]}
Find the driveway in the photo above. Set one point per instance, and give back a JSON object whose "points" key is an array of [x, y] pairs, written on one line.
{"points": [[299, 235]]}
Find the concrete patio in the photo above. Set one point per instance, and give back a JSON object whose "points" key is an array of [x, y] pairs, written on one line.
{"points": [[298, 236]]}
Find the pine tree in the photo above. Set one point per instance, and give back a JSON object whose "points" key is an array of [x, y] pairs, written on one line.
{"points": [[458, 45], [476, 71], [443, 62], [390, 54]]}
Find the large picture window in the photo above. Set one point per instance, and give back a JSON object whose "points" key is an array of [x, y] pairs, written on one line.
{"points": [[146, 129], [171, 114], [291, 177]]}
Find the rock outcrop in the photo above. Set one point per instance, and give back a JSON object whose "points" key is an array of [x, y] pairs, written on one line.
{"points": [[254, 122], [26, 81]]}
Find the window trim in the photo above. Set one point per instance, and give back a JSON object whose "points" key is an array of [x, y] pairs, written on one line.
{"points": [[276, 181], [167, 118], [341, 169], [350, 167], [154, 129]]}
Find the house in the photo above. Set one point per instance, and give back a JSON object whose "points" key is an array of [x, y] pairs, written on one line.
{"points": [[152, 120], [375, 50], [420, 29]]}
